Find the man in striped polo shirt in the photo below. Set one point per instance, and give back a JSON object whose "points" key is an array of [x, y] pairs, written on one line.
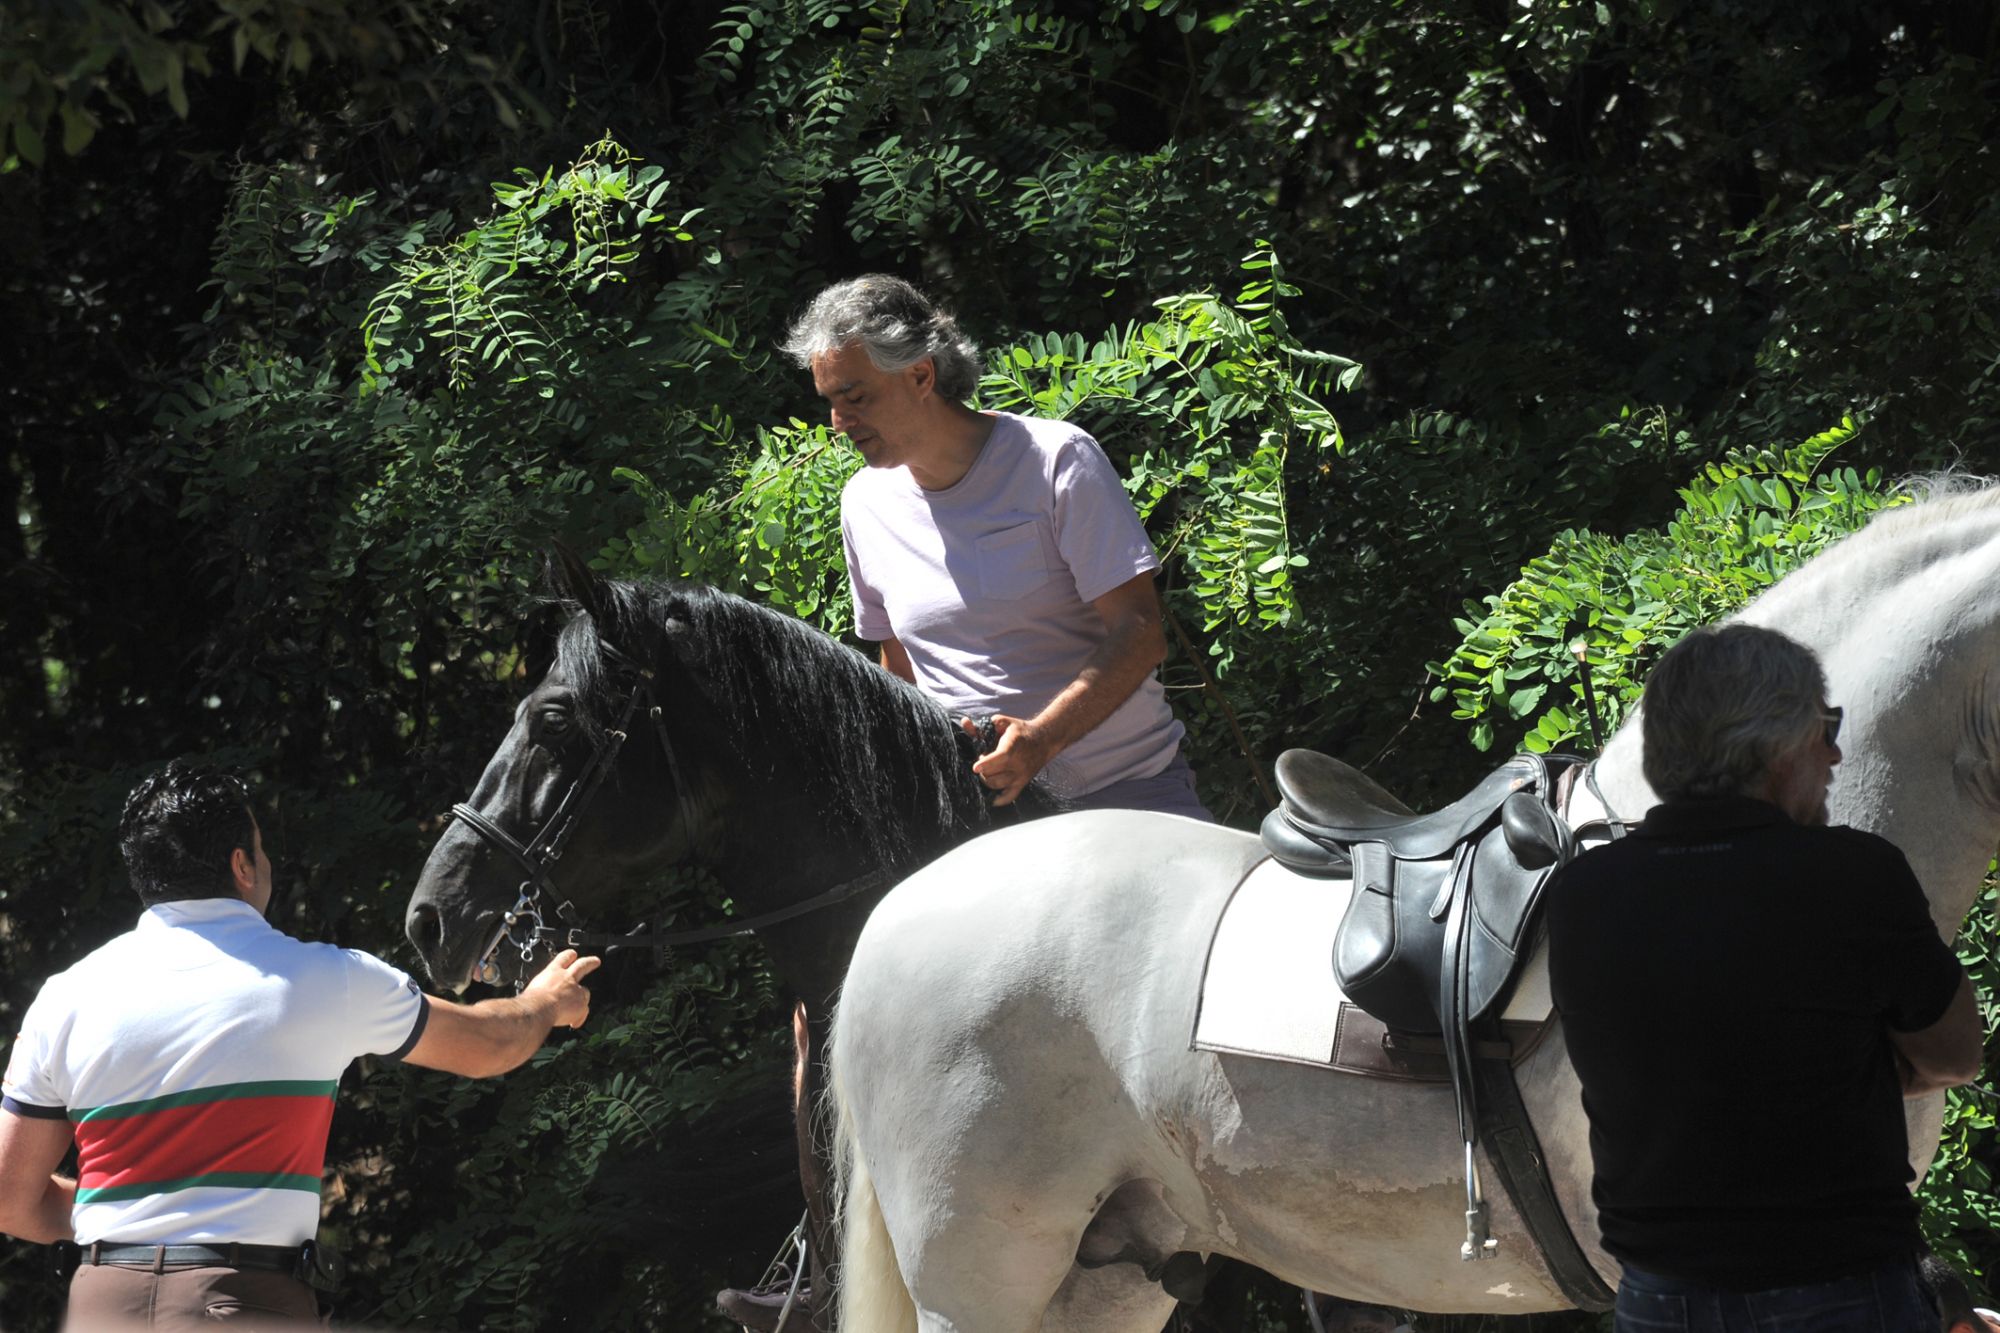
{"points": [[193, 1062]]}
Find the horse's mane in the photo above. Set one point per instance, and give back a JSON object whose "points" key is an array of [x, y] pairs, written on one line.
{"points": [[1953, 511], [1942, 499], [877, 756]]}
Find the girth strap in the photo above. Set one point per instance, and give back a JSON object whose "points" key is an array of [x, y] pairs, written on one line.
{"points": [[1524, 1173]]}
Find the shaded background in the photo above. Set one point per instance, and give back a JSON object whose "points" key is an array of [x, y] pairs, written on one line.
{"points": [[294, 395]]}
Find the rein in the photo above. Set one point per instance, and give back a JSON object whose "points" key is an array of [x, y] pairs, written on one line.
{"points": [[660, 941], [525, 926]]}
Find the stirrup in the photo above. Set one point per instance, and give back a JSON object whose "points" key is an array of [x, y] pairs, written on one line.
{"points": [[788, 1267], [1479, 1240]]}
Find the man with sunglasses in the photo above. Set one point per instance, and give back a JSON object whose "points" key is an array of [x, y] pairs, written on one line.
{"points": [[1748, 995]]}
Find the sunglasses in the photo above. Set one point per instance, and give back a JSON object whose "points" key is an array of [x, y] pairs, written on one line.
{"points": [[1830, 721]]}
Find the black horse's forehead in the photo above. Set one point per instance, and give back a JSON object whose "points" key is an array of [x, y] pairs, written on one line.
{"points": [[550, 692]]}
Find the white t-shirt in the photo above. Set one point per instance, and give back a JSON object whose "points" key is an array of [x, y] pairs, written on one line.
{"points": [[988, 584], [196, 1058]]}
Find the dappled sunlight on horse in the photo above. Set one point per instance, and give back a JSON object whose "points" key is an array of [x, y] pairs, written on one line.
{"points": [[1026, 1133]]}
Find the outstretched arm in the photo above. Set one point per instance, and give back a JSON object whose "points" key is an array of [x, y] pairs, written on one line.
{"points": [[1134, 644], [487, 1039]]}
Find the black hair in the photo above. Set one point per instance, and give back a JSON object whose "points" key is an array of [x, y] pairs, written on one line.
{"points": [[180, 827], [881, 758]]}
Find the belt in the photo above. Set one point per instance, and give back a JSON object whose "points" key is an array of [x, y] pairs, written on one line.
{"points": [[268, 1258]]}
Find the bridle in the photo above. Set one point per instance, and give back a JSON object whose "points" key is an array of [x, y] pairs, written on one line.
{"points": [[525, 927]]}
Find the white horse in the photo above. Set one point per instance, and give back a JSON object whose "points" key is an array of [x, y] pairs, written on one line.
{"points": [[1023, 1125]]}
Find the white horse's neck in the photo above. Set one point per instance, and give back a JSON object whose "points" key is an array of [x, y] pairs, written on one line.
{"points": [[1905, 617]]}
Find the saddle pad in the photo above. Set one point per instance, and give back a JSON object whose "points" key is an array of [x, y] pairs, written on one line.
{"points": [[1268, 987]]}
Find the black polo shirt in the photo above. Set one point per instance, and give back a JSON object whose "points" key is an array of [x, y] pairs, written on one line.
{"points": [[1727, 981]]}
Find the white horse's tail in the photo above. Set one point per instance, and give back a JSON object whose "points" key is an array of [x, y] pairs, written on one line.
{"points": [[869, 1284]]}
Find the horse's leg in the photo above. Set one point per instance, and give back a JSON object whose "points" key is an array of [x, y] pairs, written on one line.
{"points": [[1117, 1299], [967, 1279], [821, 1256], [984, 1220], [990, 1254]]}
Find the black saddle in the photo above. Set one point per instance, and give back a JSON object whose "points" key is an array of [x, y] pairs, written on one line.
{"points": [[1442, 916], [1444, 903]]}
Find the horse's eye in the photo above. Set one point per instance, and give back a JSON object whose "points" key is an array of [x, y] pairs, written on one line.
{"points": [[554, 721]]}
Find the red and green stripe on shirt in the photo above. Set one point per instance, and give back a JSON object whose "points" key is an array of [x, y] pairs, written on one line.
{"points": [[261, 1135]]}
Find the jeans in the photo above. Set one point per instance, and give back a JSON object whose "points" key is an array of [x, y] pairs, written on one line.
{"points": [[1889, 1300], [1170, 791]]}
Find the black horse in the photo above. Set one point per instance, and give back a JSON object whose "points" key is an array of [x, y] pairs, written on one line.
{"points": [[681, 724], [791, 766]]}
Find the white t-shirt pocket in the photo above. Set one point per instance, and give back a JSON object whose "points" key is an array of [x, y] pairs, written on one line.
{"points": [[1011, 562]]}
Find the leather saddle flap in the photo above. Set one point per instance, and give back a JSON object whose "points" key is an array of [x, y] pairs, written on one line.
{"points": [[1504, 896], [1396, 944], [1267, 990]]}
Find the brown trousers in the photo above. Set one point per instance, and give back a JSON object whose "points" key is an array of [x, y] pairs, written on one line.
{"points": [[111, 1298]]}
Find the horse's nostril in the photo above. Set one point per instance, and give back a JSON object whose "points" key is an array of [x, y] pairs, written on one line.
{"points": [[426, 929]]}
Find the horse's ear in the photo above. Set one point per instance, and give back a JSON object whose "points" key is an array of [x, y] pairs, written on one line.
{"points": [[571, 580], [675, 618], [675, 624], [538, 642]]}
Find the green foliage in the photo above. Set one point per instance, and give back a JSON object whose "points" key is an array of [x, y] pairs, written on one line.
{"points": [[298, 392], [506, 371], [1614, 605], [78, 67], [1207, 403], [770, 532], [550, 1173], [1885, 314], [506, 296], [824, 120], [1961, 1218]]}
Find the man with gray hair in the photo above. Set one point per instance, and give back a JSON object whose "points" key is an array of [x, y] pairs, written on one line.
{"points": [[1747, 996], [999, 566], [995, 558]]}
